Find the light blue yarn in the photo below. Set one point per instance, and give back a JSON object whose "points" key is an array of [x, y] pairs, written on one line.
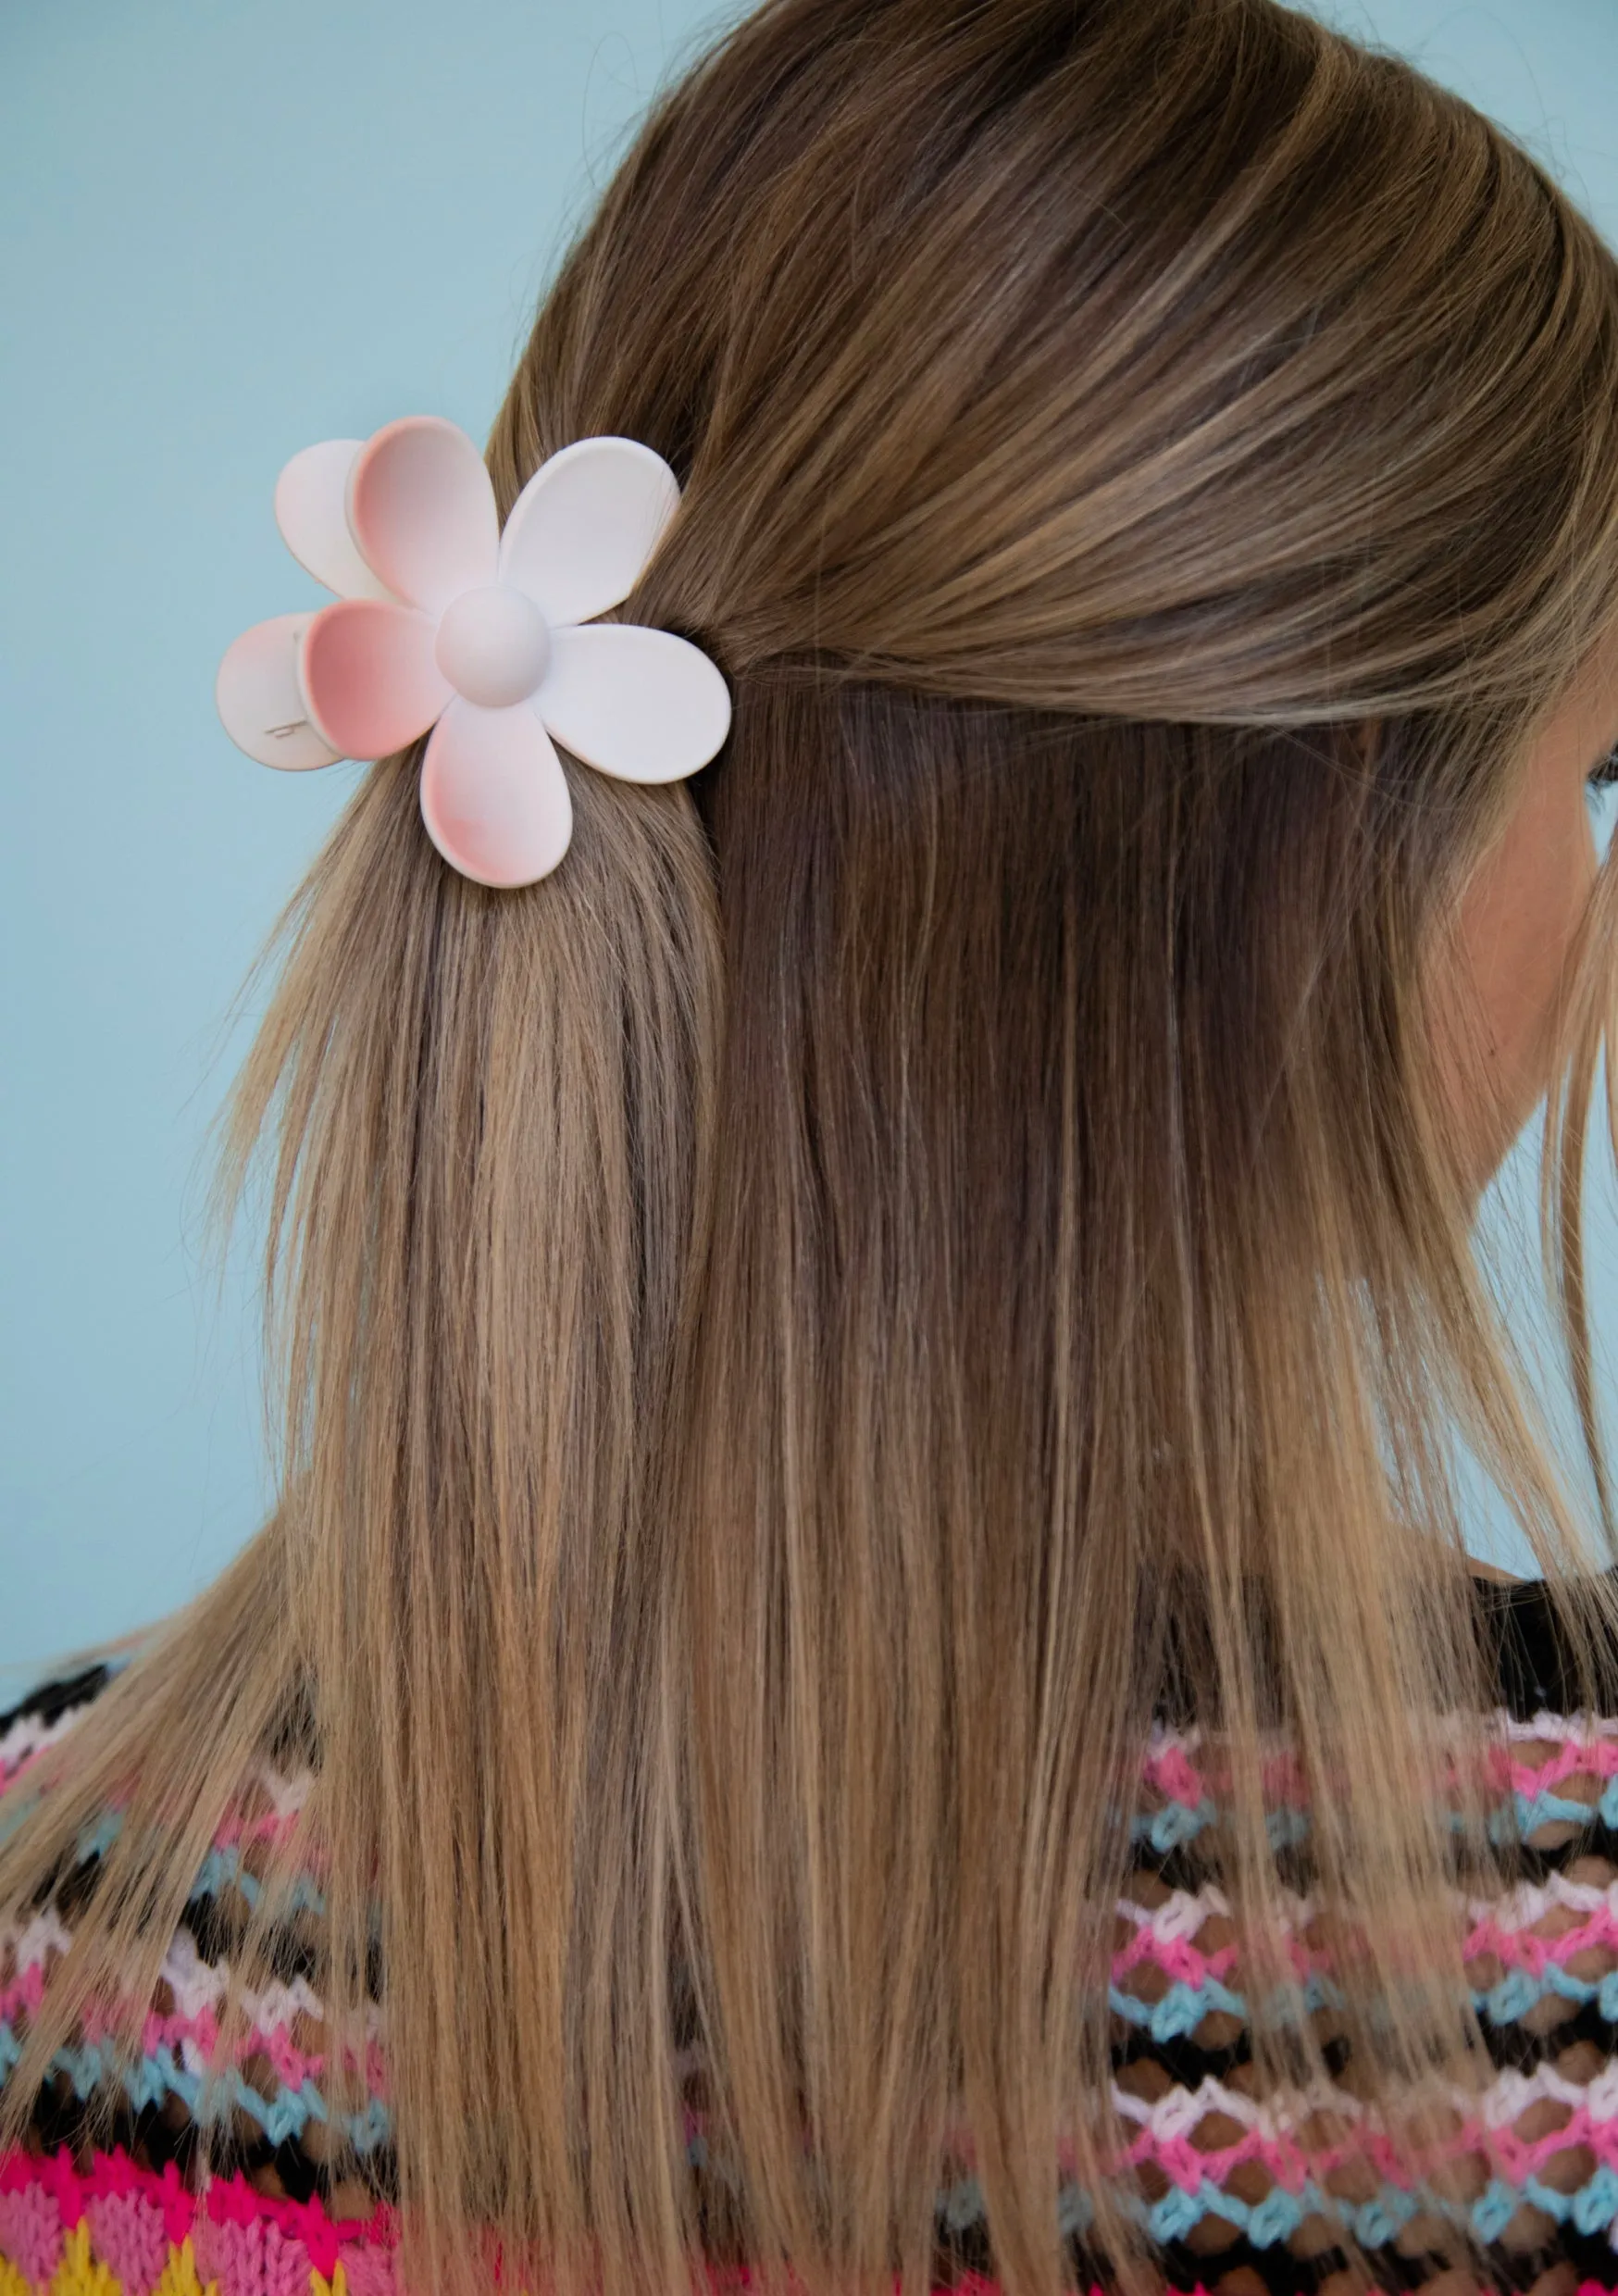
{"points": [[155, 2078], [963, 2203], [1494, 2209], [1519, 1991], [371, 2126], [1286, 1828], [222, 1870], [15, 1810], [96, 1838], [1183, 2007], [1172, 1827], [1172, 2217], [1594, 2205], [1075, 2210], [1548, 1807], [1376, 2222], [1277, 2217]]}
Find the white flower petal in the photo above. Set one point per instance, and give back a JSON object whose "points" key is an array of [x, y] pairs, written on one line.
{"points": [[421, 509], [494, 795], [583, 529], [310, 498], [260, 702], [639, 704]]}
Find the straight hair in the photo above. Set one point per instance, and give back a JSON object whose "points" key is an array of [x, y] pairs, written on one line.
{"points": [[789, 1331]]}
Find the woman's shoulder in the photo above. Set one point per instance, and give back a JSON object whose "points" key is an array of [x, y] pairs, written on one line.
{"points": [[143, 2177]]}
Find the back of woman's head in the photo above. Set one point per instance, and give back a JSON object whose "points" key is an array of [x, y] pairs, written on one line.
{"points": [[796, 1324]]}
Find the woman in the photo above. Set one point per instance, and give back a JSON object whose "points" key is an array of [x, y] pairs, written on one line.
{"points": [[867, 1662]]}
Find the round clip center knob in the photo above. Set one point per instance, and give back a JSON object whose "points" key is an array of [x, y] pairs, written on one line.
{"points": [[493, 646]]}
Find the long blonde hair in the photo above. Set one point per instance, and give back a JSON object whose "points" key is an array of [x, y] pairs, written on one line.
{"points": [[789, 1325]]}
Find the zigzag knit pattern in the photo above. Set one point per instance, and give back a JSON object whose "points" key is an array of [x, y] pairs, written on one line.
{"points": [[218, 2188]]}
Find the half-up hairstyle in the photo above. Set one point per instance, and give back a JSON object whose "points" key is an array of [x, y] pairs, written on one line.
{"points": [[800, 1331]]}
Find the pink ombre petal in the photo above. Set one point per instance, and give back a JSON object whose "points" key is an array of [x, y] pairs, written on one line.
{"points": [[494, 795], [421, 509], [367, 675], [260, 702], [311, 496], [639, 704], [582, 531]]}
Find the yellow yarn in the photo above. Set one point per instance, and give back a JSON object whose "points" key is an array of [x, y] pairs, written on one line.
{"points": [[179, 2274], [11, 2281], [79, 2274], [319, 2286]]}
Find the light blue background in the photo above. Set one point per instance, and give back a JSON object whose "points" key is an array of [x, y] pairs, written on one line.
{"points": [[228, 228]]}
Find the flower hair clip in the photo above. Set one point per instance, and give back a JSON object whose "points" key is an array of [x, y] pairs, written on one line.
{"points": [[443, 620]]}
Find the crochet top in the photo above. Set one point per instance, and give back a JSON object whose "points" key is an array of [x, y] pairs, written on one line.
{"points": [[180, 2195]]}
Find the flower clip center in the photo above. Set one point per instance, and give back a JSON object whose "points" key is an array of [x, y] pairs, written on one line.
{"points": [[493, 645]]}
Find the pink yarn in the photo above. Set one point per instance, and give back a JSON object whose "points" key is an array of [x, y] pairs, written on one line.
{"points": [[129, 2238], [251, 2244], [192, 2039], [256, 2246], [113, 2174], [24, 1993], [254, 2258], [233, 2202], [1520, 1949], [57, 2175], [1573, 1757], [1170, 1772], [369, 2270], [30, 2231], [270, 1826], [1515, 2158]]}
